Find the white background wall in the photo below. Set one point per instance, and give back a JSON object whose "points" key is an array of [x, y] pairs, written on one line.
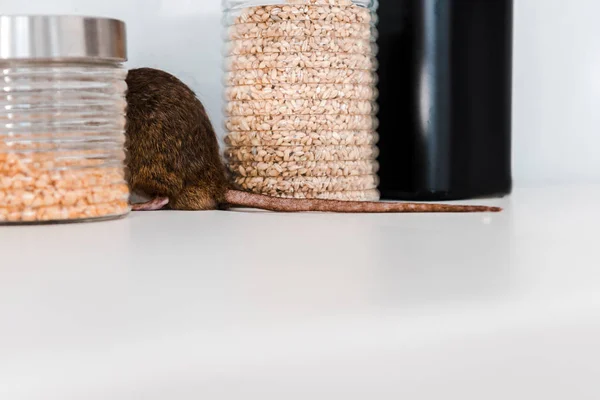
{"points": [[556, 75]]}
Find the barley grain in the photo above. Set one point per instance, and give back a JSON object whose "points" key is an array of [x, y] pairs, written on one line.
{"points": [[305, 28], [300, 153], [301, 138], [300, 86], [307, 168], [286, 76], [317, 59], [301, 91], [348, 13], [350, 195], [284, 44], [300, 107], [309, 123], [306, 184]]}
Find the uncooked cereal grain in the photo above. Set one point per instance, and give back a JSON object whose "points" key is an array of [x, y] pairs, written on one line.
{"points": [[274, 186], [300, 84], [38, 184], [348, 13], [322, 2], [300, 153], [309, 123], [316, 59], [300, 107], [348, 195], [286, 76], [306, 168], [301, 44], [301, 91], [301, 138], [253, 30], [78, 211]]}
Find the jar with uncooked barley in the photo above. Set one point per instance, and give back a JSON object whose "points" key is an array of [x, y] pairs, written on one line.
{"points": [[300, 97], [62, 119]]}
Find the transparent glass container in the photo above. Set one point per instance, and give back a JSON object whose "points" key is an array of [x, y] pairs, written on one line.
{"points": [[300, 90], [62, 120]]}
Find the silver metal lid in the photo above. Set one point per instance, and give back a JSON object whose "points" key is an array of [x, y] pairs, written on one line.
{"points": [[62, 38]]}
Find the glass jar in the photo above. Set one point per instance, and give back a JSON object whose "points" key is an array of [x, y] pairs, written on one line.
{"points": [[300, 97], [62, 121]]}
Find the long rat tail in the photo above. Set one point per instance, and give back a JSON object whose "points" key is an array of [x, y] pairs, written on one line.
{"points": [[245, 199]]}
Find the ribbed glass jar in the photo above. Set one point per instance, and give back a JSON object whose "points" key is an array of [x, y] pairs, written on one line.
{"points": [[62, 133], [300, 97]]}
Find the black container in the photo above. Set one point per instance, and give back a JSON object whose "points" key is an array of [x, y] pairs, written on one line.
{"points": [[445, 98]]}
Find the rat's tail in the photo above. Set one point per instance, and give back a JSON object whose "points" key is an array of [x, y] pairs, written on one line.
{"points": [[245, 199]]}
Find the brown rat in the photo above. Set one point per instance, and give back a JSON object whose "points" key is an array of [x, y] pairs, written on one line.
{"points": [[173, 157]]}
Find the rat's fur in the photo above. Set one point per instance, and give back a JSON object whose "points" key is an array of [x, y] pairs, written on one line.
{"points": [[173, 157], [172, 148]]}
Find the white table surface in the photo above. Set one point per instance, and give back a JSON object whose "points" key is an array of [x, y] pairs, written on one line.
{"points": [[253, 305]]}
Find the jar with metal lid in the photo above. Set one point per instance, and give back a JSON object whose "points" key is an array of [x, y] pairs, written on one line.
{"points": [[62, 119], [300, 91]]}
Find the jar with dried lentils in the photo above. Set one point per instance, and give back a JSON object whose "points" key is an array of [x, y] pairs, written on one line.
{"points": [[300, 91], [62, 119]]}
